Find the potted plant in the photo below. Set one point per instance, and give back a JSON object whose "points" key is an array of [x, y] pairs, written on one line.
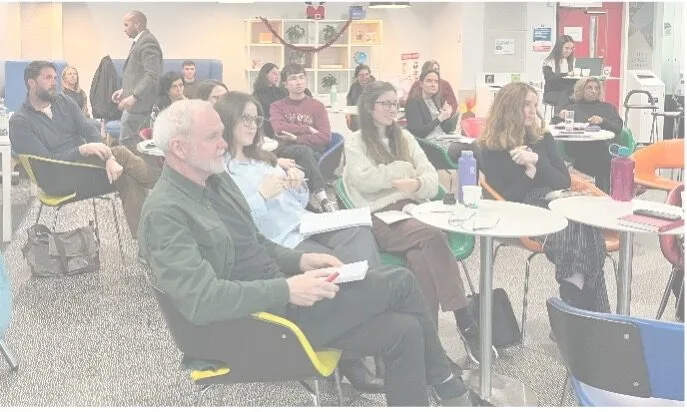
{"points": [[295, 33], [297, 57], [328, 33], [328, 81]]}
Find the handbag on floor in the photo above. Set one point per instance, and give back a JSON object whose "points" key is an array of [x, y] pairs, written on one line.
{"points": [[68, 253], [505, 329]]}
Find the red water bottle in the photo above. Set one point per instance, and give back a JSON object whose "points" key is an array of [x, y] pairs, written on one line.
{"points": [[622, 173]]}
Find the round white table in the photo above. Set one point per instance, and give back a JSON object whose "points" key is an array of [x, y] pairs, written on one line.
{"points": [[559, 134], [499, 219], [603, 212]]}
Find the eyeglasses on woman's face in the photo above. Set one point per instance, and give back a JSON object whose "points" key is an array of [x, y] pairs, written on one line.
{"points": [[388, 104], [248, 120]]}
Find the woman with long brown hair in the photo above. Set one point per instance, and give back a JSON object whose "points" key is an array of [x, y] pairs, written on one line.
{"points": [[386, 170], [521, 161]]}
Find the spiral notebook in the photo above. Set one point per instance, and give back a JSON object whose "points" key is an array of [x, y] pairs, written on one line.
{"points": [[315, 223], [648, 223]]}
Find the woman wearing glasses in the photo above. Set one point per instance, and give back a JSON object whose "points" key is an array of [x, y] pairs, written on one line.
{"points": [[387, 170], [429, 116], [277, 196], [521, 161]]}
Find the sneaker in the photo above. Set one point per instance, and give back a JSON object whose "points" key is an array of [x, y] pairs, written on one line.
{"points": [[328, 206], [470, 337]]}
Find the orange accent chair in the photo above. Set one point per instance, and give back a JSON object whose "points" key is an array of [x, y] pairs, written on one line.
{"points": [[666, 154], [578, 184]]}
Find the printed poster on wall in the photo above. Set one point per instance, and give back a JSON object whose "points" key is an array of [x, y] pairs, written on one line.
{"points": [[574, 32], [541, 39], [504, 46], [410, 66]]}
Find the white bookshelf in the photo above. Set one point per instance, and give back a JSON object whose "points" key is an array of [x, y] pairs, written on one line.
{"points": [[338, 60]]}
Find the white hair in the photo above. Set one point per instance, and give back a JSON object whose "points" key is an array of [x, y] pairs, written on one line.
{"points": [[177, 120]]}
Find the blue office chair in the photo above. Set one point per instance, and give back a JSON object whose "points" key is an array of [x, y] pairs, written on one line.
{"points": [[5, 314], [618, 360], [331, 158]]}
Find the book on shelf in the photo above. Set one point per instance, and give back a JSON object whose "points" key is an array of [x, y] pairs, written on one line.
{"points": [[315, 223]]}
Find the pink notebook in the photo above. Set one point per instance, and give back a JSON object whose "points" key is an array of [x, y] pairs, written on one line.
{"points": [[650, 223]]}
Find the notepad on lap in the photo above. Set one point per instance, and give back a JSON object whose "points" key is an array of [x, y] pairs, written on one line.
{"points": [[392, 216], [350, 272], [315, 223], [652, 224]]}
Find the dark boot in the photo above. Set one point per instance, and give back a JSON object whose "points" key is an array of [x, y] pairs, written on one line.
{"points": [[360, 377]]}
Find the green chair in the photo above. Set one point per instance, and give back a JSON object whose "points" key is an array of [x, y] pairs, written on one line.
{"points": [[437, 156], [461, 245]]}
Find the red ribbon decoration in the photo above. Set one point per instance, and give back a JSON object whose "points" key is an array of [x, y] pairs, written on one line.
{"points": [[305, 49]]}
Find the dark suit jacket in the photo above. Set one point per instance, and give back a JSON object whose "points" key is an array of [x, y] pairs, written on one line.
{"points": [[142, 72], [420, 122]]}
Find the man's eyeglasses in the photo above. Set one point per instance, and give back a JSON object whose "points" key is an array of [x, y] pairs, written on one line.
{"points": [[249, 121], [388, 105], [472, 221]]}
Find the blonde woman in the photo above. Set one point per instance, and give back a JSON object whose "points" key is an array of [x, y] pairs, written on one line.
{"points": [[521, 161], [386, 170], [71, 88]]}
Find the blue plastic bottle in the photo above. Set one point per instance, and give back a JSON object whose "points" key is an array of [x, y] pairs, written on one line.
{"points": [[467, 172]]}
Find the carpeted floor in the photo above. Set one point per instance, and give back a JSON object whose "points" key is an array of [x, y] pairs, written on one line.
{"points": [[99, 340]]}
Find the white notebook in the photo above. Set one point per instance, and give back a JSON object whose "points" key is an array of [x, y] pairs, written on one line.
{"points": [[315, 223], [392, 216], [350, 272]]}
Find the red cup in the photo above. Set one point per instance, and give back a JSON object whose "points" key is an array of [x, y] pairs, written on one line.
{"points": [[472, 127]]}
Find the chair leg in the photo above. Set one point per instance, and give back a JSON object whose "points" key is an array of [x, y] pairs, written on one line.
{"points": [[339, 391], [565, 388], [14, 365], [313, 391], [524, 298], [54, 221], [615, 266], [95, 217], [379, 367], [496, 251], [666, 294], [204, 389], [467, 276], [113, 202], [38, 216]]}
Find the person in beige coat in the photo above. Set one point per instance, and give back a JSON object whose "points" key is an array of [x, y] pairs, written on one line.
{"points": [[386, 169]]}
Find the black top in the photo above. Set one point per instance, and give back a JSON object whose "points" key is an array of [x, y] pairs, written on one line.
{"points": [[79, 97], [584, 110], [420, 122], [509, 179], [33, 132], [266, 97], [555, 82]]}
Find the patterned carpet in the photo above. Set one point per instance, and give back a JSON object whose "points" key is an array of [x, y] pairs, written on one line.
{"points": [[99, 340]]}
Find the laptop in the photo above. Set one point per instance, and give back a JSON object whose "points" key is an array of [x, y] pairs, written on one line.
{"points": [[594, 64]]}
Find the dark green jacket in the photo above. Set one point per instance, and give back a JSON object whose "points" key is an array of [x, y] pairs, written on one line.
{"points": [[191, 253]]}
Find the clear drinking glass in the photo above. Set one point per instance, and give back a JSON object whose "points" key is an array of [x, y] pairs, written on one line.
{"points": [[569, 120]]}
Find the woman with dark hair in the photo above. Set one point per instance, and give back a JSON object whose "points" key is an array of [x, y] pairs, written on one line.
{"points": [[362, 77], [70, 87], [521, 161], [267, 90], [277, 197], [429, 116], [557, 65], [444, 87], [171, 89], [211, 90], [386, 169]]}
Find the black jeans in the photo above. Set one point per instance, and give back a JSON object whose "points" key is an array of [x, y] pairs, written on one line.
{"points": [[383, 315], [306, 158]]}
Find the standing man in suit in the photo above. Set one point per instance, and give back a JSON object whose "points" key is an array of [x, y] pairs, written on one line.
{"points": [[140, 78]]}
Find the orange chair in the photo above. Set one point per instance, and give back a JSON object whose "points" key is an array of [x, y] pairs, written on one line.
{"points": [[666, 154], [577, 184]]}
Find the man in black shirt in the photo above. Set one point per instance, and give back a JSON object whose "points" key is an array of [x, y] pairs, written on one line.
{"points": [[52, 126]]}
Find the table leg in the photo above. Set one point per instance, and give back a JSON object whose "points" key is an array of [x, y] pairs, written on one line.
{"points": [[496, 389], [6, 159], [625, 273]]}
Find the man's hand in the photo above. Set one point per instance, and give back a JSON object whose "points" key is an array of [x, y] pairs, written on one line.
{"points": [[312, 261], [406, 185], [313, 130], [271, 186], [95, 149], [562, 114], [127, 103], [595, 120], [294, 178], [117, 96], [284, 135], [114, 170], [286, 164], [310, 287]]}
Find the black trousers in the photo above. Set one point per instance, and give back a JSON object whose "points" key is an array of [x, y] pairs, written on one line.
{"points": [[593, 159], [306, 158], [383, 315]]}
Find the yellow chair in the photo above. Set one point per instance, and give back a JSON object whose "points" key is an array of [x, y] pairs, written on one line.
{"points": [[261, 347], [42, 170], [536, 248]]}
